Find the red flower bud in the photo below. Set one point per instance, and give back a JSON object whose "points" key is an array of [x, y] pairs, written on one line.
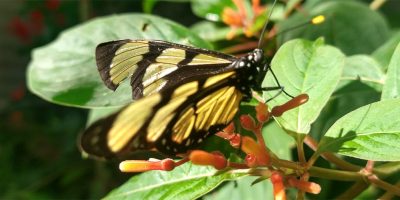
{"points": [[216, 160], [279, 188], [247, 122], [144, 165], [277, 111]]}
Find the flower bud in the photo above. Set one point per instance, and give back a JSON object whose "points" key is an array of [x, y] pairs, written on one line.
{"points": [[305, 186], [144, 165], [247, 122], [277, 111], [199, 157], [251, 147], [279, 188]]}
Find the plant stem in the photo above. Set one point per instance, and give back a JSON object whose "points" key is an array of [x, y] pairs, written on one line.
{"points": [[335, 174], [300, 149], [260, 138], [389, 195], [287, 164], [84, 10], [384, 185], [309, 141]]}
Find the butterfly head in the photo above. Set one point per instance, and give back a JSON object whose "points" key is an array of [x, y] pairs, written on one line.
{"points": [[251, 69]]}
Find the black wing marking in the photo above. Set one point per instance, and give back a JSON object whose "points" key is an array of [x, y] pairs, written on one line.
{"points": [[155, 65], [171, 121]]}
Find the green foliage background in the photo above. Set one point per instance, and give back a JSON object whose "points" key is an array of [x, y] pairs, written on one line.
{"points": [[345, 64]]}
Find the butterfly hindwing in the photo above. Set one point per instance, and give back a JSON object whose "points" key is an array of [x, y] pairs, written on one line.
{"points": [[172, 121], [154, 65]]}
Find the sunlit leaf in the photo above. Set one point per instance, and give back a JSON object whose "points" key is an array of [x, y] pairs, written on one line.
{"points": [[371, 132], [305, 67]]}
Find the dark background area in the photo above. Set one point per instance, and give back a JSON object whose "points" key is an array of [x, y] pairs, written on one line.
{"points": [[39, 158]]}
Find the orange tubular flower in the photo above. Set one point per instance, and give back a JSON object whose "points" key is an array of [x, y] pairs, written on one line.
{"points": [[216, 160], [277, 111], [252, 148], [305, 186], [279, 188], [144, 165]]}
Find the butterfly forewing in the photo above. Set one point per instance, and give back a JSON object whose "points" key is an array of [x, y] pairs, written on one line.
{"points": [[171, 121], [155, 65]]}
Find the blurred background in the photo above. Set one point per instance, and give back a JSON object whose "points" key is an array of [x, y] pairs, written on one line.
{"points": [[39, 158]]}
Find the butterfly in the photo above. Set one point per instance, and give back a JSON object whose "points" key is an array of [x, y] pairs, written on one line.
{"points": [[182, 94]]}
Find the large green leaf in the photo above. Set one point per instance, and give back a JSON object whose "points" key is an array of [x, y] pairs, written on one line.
{"points": [[305, 67], [278, 141], [185, 182], [65, 72], [350, 26], [349, 97], [391, 89], [371, 132], [363, 68], [242, 189]]}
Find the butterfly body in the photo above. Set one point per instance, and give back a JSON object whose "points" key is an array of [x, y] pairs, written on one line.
{"points": [[183, 95]]}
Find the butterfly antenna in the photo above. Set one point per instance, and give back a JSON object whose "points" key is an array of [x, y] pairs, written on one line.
{"points": [[261, 41]]}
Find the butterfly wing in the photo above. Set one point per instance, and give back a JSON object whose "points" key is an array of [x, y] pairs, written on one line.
{"points": [[171, 121], [154, 65]]}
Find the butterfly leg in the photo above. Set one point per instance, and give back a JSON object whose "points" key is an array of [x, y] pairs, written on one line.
{"points": [[279, 87]]}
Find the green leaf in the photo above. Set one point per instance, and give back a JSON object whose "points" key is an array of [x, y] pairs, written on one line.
{"points": [[384, 53], [371, 132], [211, 9], [305, 67], [210, 31], [391, 89], [278, 141], [348, 98], [350, 25], [65, 71], [184, 182], [363, 68], [242, 189]]}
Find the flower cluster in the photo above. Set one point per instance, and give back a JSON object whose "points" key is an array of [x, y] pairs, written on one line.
{"points": [[242, 18], [258, 156]]}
